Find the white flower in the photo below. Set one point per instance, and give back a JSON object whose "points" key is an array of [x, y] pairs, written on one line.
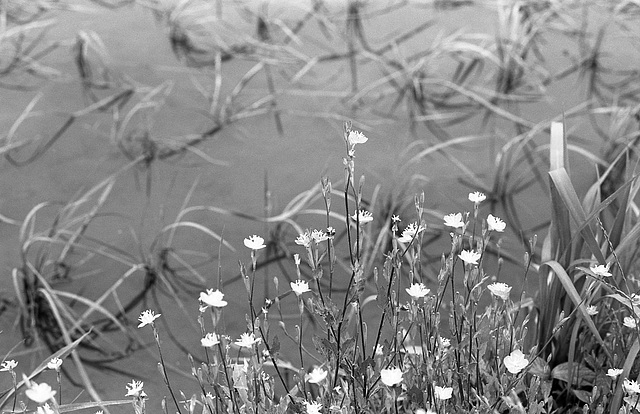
{"points": [[395, 218], [477, 197], [362, 217], [304, 239], [495, 223], [313, 407], [147, 317], [210, 340], [446, 342], [134, 389], [411, 231], [469, 256], [592, 310], [316, 376], [55, 363], [356, 137], [254, 242], [629, 322], [500, 290], [213, 298], [40, 393], [631, 386], [247, 340], [45, 409], [442, 393], [417, 290], [515, 361], [601, 270], [454, 220], [299, 287], [391, 376], [319, 236], [614, 372], [8, 365]]}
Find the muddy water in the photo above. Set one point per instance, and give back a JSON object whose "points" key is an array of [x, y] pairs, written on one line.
{"points": [[251, 150]]}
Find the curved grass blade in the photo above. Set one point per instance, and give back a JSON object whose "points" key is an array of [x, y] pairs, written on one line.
{"points": [[571, 291], [61, 353], [567, 193]]}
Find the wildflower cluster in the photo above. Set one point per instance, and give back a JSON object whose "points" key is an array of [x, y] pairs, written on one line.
{"points": [[400, 335]]}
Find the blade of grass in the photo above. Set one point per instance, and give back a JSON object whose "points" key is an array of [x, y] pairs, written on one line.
{"points": [[568, 195], [61, 353], [626, 370], [571, 291]]}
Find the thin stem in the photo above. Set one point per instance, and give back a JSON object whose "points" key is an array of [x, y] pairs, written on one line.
{"points": [[164, 370], [226, 374]]}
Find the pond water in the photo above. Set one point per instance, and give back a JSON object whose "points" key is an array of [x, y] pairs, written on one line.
{"points": [[231, 167]]}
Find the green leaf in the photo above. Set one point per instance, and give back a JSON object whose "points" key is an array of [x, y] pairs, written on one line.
{"points": [[581, 376]]}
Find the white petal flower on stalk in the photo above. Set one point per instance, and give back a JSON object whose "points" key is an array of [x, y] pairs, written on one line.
{"points": [[316, 376], [454, 220], [469, 256], [319, 236], [391, 376], [9, 365], [410, 232], [54, 364], [304, 239], [500, 290], [592, 310], [210, 340], [134, 389], [254, 242], [631, 386], [395, 218], [147, 317], [601, 270], [613, 373], [477, 197], [442, 393], [515, 361], [362, 216], [495, 223], [213, 298], [299, 287], [418, 290], [629, 322], [40, 393], [247, 340], [356, 137]]}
